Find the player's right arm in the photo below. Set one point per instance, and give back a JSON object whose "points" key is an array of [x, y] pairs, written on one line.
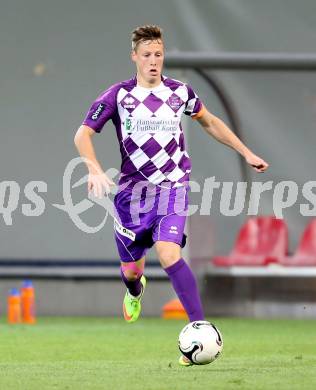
{"points": [[98, 181], [101, 110]]}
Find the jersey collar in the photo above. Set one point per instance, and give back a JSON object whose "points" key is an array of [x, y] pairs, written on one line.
{"points": [[155, 89]]}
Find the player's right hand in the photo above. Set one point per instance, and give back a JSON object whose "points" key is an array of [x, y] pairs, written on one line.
{"points": [[99, 184]]}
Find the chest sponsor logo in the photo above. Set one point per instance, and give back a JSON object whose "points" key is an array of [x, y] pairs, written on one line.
{"points": [[128, 125], [175, 102], [151, 125], [98, 111]]}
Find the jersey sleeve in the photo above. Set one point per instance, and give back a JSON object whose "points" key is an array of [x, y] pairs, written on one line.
{"points": [[194, 107], [102, 110]]}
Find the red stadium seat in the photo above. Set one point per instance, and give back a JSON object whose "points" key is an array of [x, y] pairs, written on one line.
{"points": [[261, 241], [305, 254]]}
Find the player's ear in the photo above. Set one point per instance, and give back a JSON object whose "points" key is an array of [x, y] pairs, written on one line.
{"points": [[133, 55]]}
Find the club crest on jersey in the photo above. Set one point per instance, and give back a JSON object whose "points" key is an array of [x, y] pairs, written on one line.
{"points": [[98, 112], [128, 102], [175, 102]]}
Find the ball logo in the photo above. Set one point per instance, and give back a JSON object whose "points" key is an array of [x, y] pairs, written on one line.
{"points": [[98, 112]]}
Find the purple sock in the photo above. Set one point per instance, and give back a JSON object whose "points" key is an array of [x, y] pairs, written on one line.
{"points": [[185, 286], [134, 286]]}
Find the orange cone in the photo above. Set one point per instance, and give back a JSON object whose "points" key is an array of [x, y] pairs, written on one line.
{"points": [[174, 310]]}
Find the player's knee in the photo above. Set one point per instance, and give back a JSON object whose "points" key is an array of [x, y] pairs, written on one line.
{"points": [[167, 257], [131, 274], [133, 271]]}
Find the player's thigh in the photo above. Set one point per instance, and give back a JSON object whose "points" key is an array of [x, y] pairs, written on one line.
{"points": [[133, 269], [132, 238], [169, 238], [168, 252]]}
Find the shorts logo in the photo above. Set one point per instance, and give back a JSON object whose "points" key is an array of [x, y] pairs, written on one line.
{"points": [[123, 231], [98, 112], [175, 102], [173, 230]]}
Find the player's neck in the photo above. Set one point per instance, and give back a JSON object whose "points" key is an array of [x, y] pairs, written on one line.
{"points": [[141, 82]]}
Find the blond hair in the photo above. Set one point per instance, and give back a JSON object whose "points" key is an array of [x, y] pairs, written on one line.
{"points": [[145, 33]]}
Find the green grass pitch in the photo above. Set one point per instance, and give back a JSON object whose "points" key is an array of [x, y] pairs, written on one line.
{"points": [[95, 353]]}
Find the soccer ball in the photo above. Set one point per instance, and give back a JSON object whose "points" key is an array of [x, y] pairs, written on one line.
{"points": [[201, 342]]}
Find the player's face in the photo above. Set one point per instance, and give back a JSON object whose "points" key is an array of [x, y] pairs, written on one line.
{"points": [[148, 58]]}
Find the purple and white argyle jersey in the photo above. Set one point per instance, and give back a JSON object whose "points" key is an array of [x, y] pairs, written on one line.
{"points": [[148, 126]]}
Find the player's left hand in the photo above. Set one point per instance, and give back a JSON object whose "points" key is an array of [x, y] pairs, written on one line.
{"points": [[257, 163]]}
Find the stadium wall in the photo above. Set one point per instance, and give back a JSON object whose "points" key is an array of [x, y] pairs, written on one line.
{"points": [[57, 56]]}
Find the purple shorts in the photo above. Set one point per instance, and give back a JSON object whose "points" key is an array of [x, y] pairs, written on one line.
{"points": [[146, 214]]}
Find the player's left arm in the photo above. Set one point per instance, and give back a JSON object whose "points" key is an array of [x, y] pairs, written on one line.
{"points": [[218, 129]]}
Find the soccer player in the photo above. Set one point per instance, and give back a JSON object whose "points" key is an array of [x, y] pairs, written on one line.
{"points": [[146, 111]]}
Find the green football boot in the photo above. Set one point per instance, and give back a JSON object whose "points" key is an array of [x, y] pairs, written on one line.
{"points": [[132, 305], [184, 361]]}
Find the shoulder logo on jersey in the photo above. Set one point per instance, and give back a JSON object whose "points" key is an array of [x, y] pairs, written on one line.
{"points": [[175, 102], [98, 111]]}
